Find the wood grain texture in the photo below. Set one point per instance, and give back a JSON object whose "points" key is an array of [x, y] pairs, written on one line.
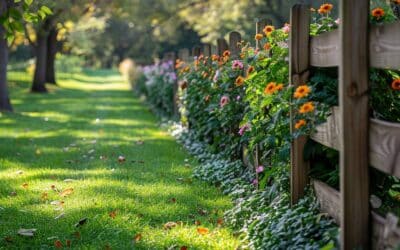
{"points": [[385, 46], [384, 141], [207, 50], [354, 123], [234, 44], [298, 68], [196, 51], [385, 232], [184, 54], [325, 50], [222, 45]]}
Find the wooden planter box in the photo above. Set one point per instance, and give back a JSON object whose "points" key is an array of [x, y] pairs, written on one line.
{"points": [[384, 140], [385, 232]]}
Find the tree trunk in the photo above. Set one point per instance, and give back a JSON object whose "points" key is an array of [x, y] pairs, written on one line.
{"points": [[5, 104], [39, 79], [51, 56]]}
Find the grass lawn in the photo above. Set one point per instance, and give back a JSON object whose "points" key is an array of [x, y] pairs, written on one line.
{"points": [[59, 164]]}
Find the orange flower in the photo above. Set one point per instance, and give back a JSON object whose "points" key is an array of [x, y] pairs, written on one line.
{"points": [[207, 98], [202, 230], [214, 57], [306, 108], [268, 29], [250, 70], [226, 53], [396, 84], [205, 75], [378, 13], [267, 46], [239, 81], [302, 91], [270, 88], [258, 37], [325, 8], [242, 55], [279, 87], [300, 123], [396, 1], [186, 69]]}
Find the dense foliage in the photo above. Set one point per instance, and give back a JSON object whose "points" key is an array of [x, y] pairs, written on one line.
{"points": [[233, 104]]}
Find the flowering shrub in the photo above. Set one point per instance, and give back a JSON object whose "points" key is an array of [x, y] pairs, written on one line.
{"points": [[157, 84], [234, 103]]}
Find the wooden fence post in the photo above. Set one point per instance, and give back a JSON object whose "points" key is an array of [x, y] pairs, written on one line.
{"points": [[222, 45], [354, 123], [234, 40], [184, 55], [260, 24], [207, 50], [196, 51], [298, 73]]}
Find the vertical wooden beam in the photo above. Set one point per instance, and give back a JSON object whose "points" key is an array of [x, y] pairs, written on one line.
{"points": [[260, 25], [353, 102], [298, 68], [222, 45], [196, 51], [184, 54], [234, 40], [207, 50]]}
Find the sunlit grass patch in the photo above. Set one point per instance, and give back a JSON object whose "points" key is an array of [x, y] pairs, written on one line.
{"points": [[60, 163]]}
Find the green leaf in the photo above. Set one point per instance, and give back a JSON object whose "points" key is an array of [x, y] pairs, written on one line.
{"points": [[46, 10], [28, 2]]}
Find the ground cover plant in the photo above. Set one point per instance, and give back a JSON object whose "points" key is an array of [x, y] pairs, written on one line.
{"points": [[86, 179]]}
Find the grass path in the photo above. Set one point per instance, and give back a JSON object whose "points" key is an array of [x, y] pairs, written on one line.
{"points": [[70, 140]]}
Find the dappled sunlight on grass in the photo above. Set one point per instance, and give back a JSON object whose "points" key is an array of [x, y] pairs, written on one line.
{"points": [[72, 138]]}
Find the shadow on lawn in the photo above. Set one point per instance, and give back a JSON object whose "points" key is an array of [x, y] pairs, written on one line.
{"points": [[141, 188]]}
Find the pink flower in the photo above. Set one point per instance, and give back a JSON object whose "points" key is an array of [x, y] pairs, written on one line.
{"points": [[224, 100], [237, 65], [216, 76], [238, 98], [255, 182], [260, 169], [337, 21], [243, 129], [286, 28]]}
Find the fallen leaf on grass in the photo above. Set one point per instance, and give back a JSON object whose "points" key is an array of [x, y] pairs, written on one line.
{"points": [[121, 159], [59, 216], [137, 237], [170, 225], [173, 200], [9, 239], [184, 248], [25, 185], [66, 192], [27, 232], [197, 222], [69, 180], [57, 203], [45, 196], [113, 214], [81, 222], [58, 244], [220, 221], [202, 230], [202, 212]]}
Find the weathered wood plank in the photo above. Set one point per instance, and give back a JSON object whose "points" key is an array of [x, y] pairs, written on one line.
{"points": [[184, 54], [385, 233], [354, 122], [207, 50], [196, 51], [234, 40], [298, 72], [385, 46], [384, 142], [325, 50], [222, 45]]}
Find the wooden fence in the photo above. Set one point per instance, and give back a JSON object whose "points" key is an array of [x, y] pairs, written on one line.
{"points": [[361, 141]]}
